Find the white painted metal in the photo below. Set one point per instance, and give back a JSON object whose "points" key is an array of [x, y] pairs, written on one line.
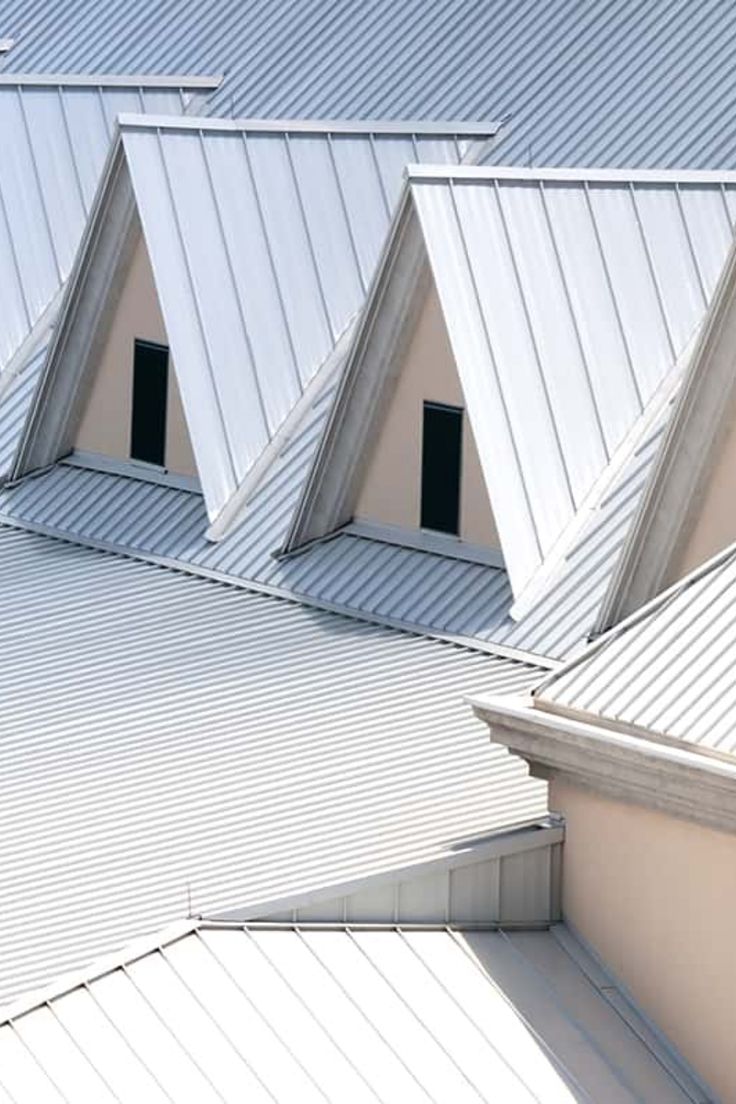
{"points": [[668, 669], [170, 743], [282, 1013], [55, 137], [567, 303], [262, 243], [512, 879]]}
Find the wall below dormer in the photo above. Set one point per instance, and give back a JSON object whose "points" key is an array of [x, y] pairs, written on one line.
{"points": [[105, 423], [390, 493]]}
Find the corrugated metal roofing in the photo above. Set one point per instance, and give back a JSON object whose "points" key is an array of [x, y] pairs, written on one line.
{"points": [[15, 401], [441, 595], [169, 739], [669, 668], [55, 140], [589, 83], [266, 1014], [569, 298]]}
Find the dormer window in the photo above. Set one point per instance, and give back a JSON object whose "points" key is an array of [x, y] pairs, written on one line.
{"points": [[442, 437], [150, 395]]}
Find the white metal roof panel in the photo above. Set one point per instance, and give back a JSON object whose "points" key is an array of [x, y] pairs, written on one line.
{"points": [[594, 83], [668, 669], [262, 242], [212, 1013], [174, 743], [568, 299], [55, 139]]}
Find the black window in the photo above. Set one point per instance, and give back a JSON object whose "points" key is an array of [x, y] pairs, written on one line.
{"points": [[441, 450], [150, 384]]}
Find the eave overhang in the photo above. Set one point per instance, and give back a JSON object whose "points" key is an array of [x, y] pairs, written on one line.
{"points": [[632, 768]]}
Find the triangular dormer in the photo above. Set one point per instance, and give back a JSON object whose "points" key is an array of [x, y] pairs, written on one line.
{"points": [[571, 299], [262, 239]]}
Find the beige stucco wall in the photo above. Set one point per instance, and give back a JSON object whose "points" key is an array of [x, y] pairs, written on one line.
{"points": [[105, 423], [391, 488], [715, 526], [656, 897]]}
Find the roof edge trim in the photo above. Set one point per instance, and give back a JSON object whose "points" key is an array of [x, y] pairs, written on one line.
{"points": [[112, 80], [678, 781], [418, 127], [427, 173]]}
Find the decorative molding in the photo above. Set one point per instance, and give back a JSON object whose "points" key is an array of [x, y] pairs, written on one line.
{"points": [[674, 780]]}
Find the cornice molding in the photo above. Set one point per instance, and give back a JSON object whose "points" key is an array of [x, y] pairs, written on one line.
{"points": [[679, 781]]}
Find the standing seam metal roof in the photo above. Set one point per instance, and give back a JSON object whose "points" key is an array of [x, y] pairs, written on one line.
{"points": [[594, 83], [55, 140], [213, 1013]]}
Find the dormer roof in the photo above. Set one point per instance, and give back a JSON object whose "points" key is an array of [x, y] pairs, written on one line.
{"points": [[262, 239], [572, 299]]}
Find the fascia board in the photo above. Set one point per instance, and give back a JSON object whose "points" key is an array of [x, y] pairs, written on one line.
{"points": [[668, 507], [674, 780]]}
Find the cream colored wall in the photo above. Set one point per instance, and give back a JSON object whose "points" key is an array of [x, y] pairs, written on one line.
{"points": [[390, 493], [715, 526], [656, 897], [105, 423]]}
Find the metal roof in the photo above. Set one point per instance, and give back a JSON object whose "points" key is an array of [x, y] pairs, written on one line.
{"points": [[426, 591], [668, 669], [55, 140], [169, 739], [569, 298], [262, 238], [216, 1013], [593, 83]]}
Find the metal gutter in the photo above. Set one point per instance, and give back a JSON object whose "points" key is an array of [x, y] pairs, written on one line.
{"points": [[419, 127], [110, 80]]}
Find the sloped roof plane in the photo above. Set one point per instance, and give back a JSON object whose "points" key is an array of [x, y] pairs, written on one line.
{"points": [[571, 298], [262, 238], [55, 136], [214, 1012]]}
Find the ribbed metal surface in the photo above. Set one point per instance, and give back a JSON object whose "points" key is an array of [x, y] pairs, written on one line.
{"points": [[401, 584], [262, 245], [55, 139], [668, 669], [585, 83], [171, 743], [14, 405], [567, 302], [258, 1014]]}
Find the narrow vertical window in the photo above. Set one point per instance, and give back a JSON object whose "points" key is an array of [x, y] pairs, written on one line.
{"points": [[150, 386], [441, 455]]}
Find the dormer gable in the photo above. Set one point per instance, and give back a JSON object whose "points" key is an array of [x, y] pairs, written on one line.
{"points": [[423, 477], [262, 238], [570, 299]]}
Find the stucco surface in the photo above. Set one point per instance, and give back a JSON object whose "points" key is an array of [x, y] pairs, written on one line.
{"points": [[655, 896]]}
